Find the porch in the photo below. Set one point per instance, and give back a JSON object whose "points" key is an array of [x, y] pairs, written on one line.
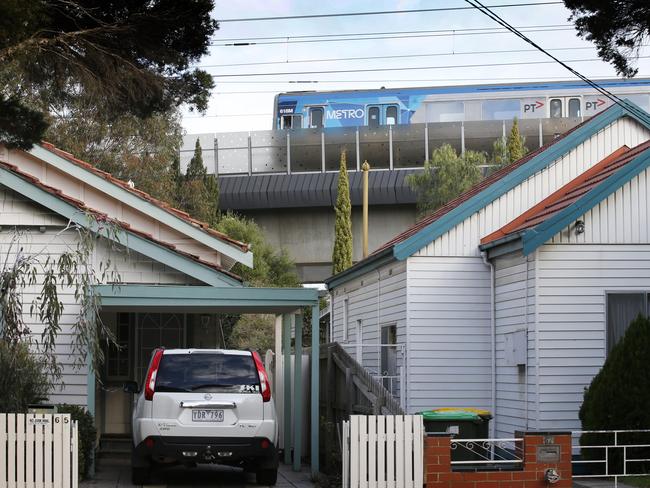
{"points": [[144, 317]]}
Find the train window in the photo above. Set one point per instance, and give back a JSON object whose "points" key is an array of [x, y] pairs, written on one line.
{"points": [[445, 112], [501, 109], [391, 115], [291, 122], [316, 117], [373, 117], [555, 108], [642, 101], [574, 107]]}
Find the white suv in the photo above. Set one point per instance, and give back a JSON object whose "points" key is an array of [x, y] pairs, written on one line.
{"points": [[204, 406]]}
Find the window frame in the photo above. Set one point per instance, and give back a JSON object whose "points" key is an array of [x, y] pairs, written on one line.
{"points": [[568, 106], [550, 107], [646, 297], [313, 110]]}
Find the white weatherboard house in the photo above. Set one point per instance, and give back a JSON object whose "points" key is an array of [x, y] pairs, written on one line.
{"points": [[174, 277], [509, 297]]}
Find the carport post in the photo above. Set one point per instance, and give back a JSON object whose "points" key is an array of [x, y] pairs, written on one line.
{"points": [[315, 388], [297, 394], [286, 385]]}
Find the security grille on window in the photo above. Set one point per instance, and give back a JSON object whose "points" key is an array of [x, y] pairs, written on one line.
{"points": [[623, 308]]}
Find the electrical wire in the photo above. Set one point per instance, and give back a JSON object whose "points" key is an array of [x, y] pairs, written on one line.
{"points": [[614, 98], [395, 56], [409, 80], [384, 33], [288, 40], [405, 68], [380, 12]]}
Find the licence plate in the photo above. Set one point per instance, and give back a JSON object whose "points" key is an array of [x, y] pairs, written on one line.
{"points": [[207, 415]]}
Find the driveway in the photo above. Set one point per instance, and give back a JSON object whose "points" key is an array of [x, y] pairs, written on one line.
{"points": [[115, 476]]}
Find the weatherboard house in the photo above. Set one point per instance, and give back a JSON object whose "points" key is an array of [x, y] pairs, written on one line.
{"points": [[509, 297], [175, 278]]}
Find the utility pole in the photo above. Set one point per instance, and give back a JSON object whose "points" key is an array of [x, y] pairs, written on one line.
{"points": [[365, 169]]}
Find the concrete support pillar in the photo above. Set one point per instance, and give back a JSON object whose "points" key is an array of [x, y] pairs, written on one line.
{"points": [[426, 142], [322, 150], [288, 153], [390, 147], [358, 149], [462, 137], [541, 134]]}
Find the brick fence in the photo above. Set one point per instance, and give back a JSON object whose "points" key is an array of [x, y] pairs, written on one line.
{"points": [[438, 471]]}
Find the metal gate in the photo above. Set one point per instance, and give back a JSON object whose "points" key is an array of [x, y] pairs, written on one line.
{"points": [[383, 451], [38, 450]]}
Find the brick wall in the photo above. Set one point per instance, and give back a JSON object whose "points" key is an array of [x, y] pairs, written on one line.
{"points": [[438, 473]]}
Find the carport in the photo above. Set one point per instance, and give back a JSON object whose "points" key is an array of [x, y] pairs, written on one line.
{"points": [[284, 303]]}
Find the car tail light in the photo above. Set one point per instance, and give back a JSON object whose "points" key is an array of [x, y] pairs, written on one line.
{"points": [[264, 378], [150, 383]]}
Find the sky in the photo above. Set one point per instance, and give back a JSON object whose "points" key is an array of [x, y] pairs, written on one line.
{"points": [[245, 103]]}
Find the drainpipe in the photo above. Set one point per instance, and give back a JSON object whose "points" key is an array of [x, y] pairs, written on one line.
{"points": [[493, 346]]}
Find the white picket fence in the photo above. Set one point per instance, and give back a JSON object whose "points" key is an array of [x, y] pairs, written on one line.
{"points": [[383, 451], [38, 451]]}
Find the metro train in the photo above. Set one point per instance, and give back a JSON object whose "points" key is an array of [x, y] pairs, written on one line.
{"points": [[392, 106]]}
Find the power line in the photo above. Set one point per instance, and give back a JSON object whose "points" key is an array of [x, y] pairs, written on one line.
{"points": [[395, 56], [409, 80], [486, 11], [404, 68], [351, 34], [381, 12], [373, 38], [224, 115]]}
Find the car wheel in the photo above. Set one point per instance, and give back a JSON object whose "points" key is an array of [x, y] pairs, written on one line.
{"points": [[140, 476], [266, 477]]}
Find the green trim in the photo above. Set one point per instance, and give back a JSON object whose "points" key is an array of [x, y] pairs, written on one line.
{"points": [[162, 296], [133, 241], [143, 205], [537, 236], [361, 268], [297, 393], [430, 233]]}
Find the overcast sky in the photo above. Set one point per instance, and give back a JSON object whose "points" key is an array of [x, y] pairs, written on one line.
{"points": [[246, 102]]}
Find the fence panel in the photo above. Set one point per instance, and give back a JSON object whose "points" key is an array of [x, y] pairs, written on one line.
{"points": [[38, 450], [383, 451]]}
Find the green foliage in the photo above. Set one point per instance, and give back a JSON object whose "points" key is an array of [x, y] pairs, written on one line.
{"points": [[198, 192], [619, 395], [125, 57], [445, 176], [508, 151], [618, 29], [271, 266], [24, 379], [87, 435], [254, 332], [128, 147], [342, 253]]}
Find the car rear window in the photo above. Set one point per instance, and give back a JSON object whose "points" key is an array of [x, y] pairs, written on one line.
{"points": [[207, 372]]}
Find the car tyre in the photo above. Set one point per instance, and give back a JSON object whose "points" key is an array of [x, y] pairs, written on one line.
{"points": [[140, 476], [266, 477]]}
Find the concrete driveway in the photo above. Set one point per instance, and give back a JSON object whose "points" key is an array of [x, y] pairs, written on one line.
{"points": [[115, 476]]}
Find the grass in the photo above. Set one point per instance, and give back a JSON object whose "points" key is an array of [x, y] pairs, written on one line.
{"points": [[638, 481]]}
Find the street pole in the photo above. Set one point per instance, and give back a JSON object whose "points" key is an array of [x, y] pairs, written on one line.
{"points": [[365, 169]]}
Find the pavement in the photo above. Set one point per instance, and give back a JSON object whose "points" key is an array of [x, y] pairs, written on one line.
{"points": [[598, 483], [118, 476]]}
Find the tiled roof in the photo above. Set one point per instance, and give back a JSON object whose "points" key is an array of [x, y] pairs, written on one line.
{"points": [[145, 196], [476, 189], [569, 193], [100, 216]]}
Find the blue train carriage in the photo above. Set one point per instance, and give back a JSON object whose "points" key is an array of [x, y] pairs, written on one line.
{"points": [[391, 106]]}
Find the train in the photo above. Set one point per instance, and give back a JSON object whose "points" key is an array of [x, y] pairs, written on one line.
{"points": [[403, 106]]}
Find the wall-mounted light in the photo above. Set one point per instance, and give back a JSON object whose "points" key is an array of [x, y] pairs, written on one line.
{"points": [[580, 227]]}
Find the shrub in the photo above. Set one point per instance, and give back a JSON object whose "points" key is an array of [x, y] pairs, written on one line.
{"points": [[24, 378], [87, 435], [618, 398]]}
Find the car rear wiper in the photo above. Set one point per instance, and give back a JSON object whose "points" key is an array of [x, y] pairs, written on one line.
{"points": [[212, 385], [170, 389]]}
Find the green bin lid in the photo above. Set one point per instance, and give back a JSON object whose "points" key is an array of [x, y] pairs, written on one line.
{"points": [[442, 414]]}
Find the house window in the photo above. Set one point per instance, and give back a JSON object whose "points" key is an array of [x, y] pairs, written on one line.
{"points": [[623, 308], [359, 341], [117, 357], [345, 320]]}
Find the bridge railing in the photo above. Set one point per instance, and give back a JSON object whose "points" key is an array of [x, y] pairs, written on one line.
{"points": [[386, 147]]}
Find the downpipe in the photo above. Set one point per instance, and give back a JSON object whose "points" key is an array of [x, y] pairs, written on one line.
{"points": [[493, 346]]}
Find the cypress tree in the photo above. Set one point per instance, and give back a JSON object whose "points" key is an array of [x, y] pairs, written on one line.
{"points": [[515, 144], [342, 253], [196, 169]]}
